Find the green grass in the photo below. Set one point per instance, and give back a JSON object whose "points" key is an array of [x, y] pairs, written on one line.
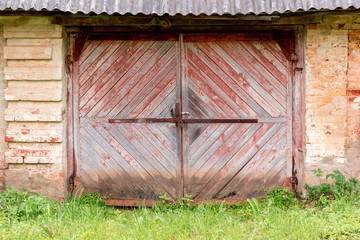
{"points": [[25, 216]]}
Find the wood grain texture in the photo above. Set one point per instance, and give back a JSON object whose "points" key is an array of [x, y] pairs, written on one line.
{"points": [[236, 79], [128, 79], [213, 78]]}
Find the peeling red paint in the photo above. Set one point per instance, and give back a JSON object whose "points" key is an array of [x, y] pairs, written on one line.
{"points": [[37, 111], [54, 139], [103, 163], [25, 152], [353, 92], [25, 131], [9, 139], [105, 156], [352, 99]]}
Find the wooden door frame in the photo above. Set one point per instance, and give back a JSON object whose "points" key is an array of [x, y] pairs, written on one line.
{"points": [[76, 42]]}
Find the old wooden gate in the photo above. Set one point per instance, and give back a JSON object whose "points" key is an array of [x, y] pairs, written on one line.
{"points": [[208, 115]]}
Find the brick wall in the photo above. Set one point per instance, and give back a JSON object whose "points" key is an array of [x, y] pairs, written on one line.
{"points": [[331, 97], [35, 157]]}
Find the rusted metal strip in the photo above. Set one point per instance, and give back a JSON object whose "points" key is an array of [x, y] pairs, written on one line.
{"points": [[220, 120], [171, 120], [143, 120]]}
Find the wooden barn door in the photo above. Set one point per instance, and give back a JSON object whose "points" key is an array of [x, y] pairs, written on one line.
{"points": [[204, 115], [237, 99], [134, 156]]}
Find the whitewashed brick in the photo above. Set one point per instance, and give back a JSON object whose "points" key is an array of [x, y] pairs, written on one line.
{"points": [[14, 160], [39, 160], [32, 31], [36, 115], [27, 52], [34, 135], [33, 73], [33, 94]]}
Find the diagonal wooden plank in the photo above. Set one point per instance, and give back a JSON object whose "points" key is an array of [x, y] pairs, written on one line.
{"points": [[236, 142], [208, 100], [198, 155], [169, 132], [199, 83], [267, 70], [88, 50], [240, 77], [133, 75], [145, 99], [97, 151], [274, 48], [118, 147], [195, 111], [222, 91], [260, 164], [163, 109], [216, 151], [102, 146], [111, 175], [100, 62], [93, 57], [108, 69], [209, 111], [202, 136], [217, 75], [155, 144], [255, 70], [161, 100], [164, 139], [129, 66], [267, 181], [238, 160], [148, 82], [264, 62], [137, 145], [270, 57]]}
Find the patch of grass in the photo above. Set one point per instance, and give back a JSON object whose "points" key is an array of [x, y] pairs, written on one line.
{"points": [[278, 216]]}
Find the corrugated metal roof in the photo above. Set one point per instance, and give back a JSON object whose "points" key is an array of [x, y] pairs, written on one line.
{"points": [[173, 7]]}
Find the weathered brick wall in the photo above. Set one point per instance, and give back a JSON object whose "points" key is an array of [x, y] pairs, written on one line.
{"points": [[34, 54], [352, 149], [331, 97], [3, 123]]}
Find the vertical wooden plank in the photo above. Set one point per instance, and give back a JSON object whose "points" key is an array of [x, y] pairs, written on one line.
{"points": [[76, 123], [298, 112], [70, 128], [181, 92], [289, 113]]}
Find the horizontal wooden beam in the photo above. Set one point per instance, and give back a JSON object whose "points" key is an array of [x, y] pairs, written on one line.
{"points": [[228, 37], [177, 21], [134, 36], [189, 29]]}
